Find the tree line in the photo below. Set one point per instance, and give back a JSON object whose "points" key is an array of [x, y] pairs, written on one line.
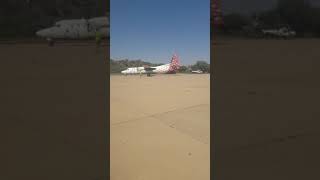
{"points": [[116, 66], [300, 15]]}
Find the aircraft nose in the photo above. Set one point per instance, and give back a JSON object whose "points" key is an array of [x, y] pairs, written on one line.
{"points": [[40, 33]]}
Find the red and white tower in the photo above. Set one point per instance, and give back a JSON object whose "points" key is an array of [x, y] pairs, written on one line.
{"points": [[216, 13]]}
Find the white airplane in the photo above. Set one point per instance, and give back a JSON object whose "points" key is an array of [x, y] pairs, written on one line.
{"points": [[170, 68], [77, 29], [197, 72], [284, 32]]}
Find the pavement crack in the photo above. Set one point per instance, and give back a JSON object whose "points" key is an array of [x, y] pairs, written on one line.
{"points": [[155, 115]]}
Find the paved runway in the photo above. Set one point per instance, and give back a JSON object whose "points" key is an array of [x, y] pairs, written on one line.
{"points": [[266, 104], [53, 112], [160, 127]]}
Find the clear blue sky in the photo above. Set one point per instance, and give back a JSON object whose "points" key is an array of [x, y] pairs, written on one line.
{"points": [[153, 30]]}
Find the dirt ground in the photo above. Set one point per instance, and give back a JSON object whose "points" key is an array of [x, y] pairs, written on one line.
{"points": [[53, 111], [266, 109], [160, 127]]}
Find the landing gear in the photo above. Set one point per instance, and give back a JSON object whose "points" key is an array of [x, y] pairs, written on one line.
{"points": [[148, 74], [50, 41]]}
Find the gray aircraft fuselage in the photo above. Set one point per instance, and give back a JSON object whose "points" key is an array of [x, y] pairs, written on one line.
{"points": [[77, 29]]}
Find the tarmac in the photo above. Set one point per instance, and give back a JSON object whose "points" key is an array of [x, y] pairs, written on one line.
{"points": [[160, 127], [266, 117], [266, 109], [53, 111]]}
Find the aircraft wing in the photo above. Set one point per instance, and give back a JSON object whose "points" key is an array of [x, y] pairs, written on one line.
{"points": [[149, 69]]}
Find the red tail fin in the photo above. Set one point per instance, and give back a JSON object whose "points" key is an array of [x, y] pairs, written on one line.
{"points": [[175, 63]]}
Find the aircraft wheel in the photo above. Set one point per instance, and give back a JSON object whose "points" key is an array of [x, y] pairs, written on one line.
{"points": [[50, 42]]}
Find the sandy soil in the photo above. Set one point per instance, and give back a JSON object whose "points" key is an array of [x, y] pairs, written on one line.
{"points": [[53, 104], [160, 127], [266, 99]]}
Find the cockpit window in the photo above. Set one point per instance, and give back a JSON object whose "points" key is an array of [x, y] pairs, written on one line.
{"points": [[58, 25]]}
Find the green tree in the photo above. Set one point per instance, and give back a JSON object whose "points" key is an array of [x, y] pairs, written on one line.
{"points": [[296, 13], [183, 69], [235, 22], [201, 65]]}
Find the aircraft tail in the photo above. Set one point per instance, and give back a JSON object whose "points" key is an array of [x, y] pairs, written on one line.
{"points": [[175, 63]]}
